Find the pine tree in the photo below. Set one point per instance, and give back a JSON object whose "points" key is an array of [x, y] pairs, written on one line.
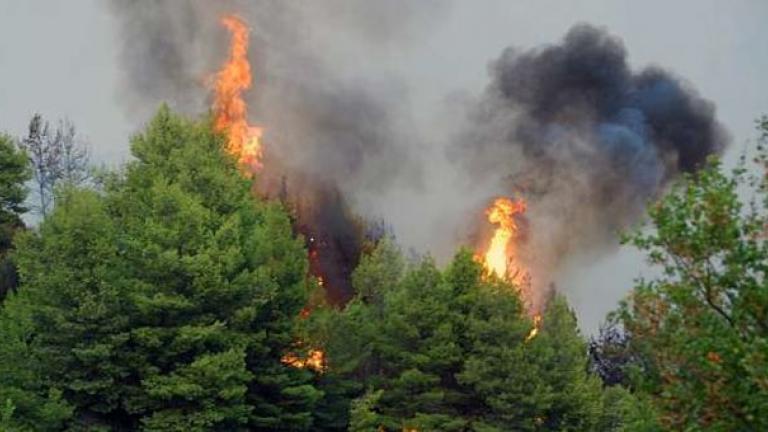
{"points": [[574, 399], [166, 301], [442, 351], [14, 173]]}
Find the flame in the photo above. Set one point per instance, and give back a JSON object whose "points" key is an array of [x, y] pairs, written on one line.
{"points": [[315, 359], [244, 140], [231, 111], [536, 326], [499, 258]]}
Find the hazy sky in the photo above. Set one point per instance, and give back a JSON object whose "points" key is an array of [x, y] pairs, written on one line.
{"points": [[59, 58]]}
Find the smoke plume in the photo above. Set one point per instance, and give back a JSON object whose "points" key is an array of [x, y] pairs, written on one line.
{"points": [[571, 127], [586, 139], [332, 133]]}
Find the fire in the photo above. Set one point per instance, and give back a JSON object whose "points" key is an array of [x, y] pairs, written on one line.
{"points": [[315, 359], [536, 326], [499, 258], [231, 111], [244, 140]]}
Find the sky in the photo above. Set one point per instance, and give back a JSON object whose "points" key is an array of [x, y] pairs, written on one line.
{"points": [[61, 59]]}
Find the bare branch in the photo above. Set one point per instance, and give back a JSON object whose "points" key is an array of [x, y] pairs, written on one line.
{"points": [[56, 156]]}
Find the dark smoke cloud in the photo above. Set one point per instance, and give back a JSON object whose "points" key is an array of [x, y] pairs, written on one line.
{"points": [[585, 138], [585, 85]]}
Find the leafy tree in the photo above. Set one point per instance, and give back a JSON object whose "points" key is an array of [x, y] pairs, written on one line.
{"points": [[625, 411], [702, 324], [166, 301], [14, 173]]}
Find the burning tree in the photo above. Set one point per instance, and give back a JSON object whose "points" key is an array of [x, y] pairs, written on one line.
{"points": [[500, 257], [164, 302], [424, 349], [231, 111]]}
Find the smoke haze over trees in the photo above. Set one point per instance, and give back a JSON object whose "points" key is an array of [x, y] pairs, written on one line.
{"points": [[589, 139], [342, 284]]}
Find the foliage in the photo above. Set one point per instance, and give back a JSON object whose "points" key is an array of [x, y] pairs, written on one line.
{"points": [[702, 324], [446, 350], [164, 302], [14, 173], [166, 298], [30, 404]]}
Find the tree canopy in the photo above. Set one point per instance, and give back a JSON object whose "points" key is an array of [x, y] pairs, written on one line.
{"points": [[167, 296], [701, 326], [431, 350], [163, 302], [14, 173]]}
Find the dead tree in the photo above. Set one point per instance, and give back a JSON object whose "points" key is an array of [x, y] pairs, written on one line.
{"points": [[56, 157]]}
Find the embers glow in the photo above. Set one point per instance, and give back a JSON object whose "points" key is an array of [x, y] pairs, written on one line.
{"points": [[536, 326], [315, 359]]}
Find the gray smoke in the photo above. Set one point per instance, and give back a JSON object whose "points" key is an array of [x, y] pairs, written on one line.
{"points": [[334, 131], [572, 127], [163, 54], [324, 117], [586, 139]]}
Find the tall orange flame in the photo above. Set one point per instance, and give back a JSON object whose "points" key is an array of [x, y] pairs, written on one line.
{"points": [[231, 111], [499, 258], [244, 140]]}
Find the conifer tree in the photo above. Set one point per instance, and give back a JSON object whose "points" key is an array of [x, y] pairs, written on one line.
{"points": [[450, 351], [14, 173], [166, 301]]}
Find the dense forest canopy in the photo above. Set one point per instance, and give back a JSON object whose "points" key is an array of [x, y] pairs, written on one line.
{"points": [[167, 295]]}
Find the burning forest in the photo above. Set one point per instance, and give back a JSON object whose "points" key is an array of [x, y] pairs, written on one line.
{"points": [[569, 130], [302, 240]]}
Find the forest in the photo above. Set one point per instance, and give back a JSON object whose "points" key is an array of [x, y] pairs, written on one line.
{"points": [[168, 295]]}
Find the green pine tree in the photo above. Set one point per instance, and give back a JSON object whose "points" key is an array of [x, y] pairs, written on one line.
{"points": [[166, 301], [442, 351], [14, 173]]}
